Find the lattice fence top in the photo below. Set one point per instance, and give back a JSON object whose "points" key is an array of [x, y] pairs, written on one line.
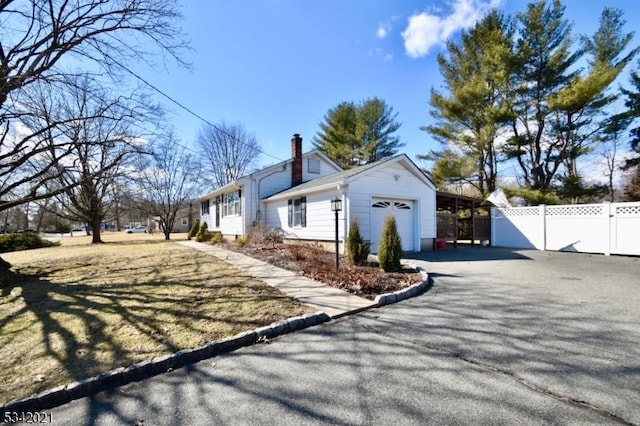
{"points": [[629, 210], [577, 210], [518, 212]]}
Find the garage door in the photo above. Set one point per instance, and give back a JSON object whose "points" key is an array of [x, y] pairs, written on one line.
{"points": [[403, 211]]}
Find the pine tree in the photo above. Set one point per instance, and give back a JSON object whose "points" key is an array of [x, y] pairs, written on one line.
{"points": [[355, 134], [376, 125], [357, 249], [633, 112], [579, 120], [390, 246], [545, 65], [476, 72], [337, 137]]}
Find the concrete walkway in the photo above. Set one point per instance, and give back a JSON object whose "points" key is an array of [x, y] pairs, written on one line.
{"points": [[332, 301]]}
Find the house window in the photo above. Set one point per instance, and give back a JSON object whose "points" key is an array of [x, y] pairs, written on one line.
{"points": [[313, 165], [231, 203], [185, 221], [298, 212], [204, 207]]}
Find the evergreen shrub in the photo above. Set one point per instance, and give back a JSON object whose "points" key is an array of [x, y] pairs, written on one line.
{"points": [[390, 246], [357, 249]]}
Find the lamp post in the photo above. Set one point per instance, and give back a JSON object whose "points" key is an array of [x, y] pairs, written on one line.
{"points": [[336, 206]]}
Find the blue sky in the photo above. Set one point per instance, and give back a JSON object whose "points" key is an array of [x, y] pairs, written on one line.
{"points": [[277, 66]]}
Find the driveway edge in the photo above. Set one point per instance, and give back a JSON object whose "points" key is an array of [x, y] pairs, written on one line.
{"points": [[406, 293], [145, 369]]}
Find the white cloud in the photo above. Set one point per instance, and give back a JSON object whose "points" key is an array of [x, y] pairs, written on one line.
{"points": [[427, 30], [381, 32]]}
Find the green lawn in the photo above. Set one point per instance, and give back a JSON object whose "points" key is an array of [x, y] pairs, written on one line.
{"points": [[74, 311]]}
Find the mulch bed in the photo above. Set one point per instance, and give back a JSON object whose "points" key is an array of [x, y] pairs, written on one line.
{"points": [[313, 262]]}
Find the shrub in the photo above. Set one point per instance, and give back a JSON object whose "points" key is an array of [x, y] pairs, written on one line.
{"points": [[201, 235], [216, 238], [357, 249], [390, 246], [194, 229], [17, 242], [241, 241], [260, 234]]}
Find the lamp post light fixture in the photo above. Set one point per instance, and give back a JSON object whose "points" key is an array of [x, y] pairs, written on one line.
{"points": [[336, 206]]}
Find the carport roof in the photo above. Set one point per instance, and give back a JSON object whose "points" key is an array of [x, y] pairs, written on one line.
{"points": [[454, 202]]}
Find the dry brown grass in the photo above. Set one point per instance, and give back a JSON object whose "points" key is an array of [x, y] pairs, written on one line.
{"points": [[71, 312]]}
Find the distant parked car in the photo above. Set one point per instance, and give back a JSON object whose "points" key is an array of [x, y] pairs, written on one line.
{"points": [[140, 229]]}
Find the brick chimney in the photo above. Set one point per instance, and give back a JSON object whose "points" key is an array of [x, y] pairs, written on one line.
{"points": [[296, 155]]}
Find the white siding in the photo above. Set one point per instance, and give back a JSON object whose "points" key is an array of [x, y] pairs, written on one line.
{"points": [[209, 218], [278, 180], [259, 185], [398, 183], [229, 225], [270, 182], [320, 218], [325, 168], [357, 199]]}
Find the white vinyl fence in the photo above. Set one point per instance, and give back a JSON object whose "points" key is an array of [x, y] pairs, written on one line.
{"points": [[591, 228]]}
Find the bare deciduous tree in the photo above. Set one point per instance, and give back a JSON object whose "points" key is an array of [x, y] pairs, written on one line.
{"points": [[98, 137], [42, 43], [229, 150], [168, 181]]}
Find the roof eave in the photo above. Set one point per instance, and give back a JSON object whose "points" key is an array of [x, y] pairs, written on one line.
{"points": [[223, 189], [307, 190]]}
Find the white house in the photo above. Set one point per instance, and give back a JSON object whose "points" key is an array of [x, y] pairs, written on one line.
{"points": [[301, 207], [235, 207]]}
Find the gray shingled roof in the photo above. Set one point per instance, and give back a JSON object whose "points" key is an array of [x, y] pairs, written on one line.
{"points": [[333, 178]]}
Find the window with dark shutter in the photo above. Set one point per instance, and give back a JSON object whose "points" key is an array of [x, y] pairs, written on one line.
{"points": [[204, 207], [297, 212], [303, 212], [218, 202]]}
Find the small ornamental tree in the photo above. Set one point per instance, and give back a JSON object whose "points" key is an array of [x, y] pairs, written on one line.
{"points": [[390, 246], [202, 232], [194, 229], [357, 249]]}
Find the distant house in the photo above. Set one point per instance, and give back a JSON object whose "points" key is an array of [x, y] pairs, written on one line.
{"points": [[295, 195], [182, 223], [184, 218]]}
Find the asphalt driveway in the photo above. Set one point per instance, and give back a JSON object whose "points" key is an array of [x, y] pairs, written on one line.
{"points": [[502, 337]]}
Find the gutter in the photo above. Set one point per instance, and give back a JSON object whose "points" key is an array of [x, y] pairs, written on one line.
{"points": [[288, 194]]}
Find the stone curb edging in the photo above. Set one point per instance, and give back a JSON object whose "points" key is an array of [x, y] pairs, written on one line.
{"points": [[145, 369], [142, 370], [405, 293]]}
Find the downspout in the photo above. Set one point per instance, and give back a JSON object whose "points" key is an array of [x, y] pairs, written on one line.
{"points": [[346, 220]]}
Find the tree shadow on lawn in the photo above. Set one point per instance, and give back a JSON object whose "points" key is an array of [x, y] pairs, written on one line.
{"points": [[53, 333], [481, 353]]}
